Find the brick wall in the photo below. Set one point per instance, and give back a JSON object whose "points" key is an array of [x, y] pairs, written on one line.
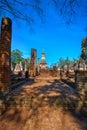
{"points": [[81, 79]]}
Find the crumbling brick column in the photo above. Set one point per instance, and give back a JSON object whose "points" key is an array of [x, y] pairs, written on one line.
{"points": [[33, 63], [5, 55]]}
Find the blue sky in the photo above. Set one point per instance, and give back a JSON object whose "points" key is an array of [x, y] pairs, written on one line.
{"points": [[55, 37]]}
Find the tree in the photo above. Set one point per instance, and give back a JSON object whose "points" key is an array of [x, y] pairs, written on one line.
{"points": [[84, 49], [75, 61], [16, 57], [27, 9], [68, 62], [61, 62], [26, 61], [21, 9]]}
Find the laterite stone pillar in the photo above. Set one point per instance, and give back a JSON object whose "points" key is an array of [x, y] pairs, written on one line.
{"points": [[5, 55], [33, 62]]}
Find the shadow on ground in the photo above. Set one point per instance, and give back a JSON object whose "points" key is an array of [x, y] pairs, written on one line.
{"points": [[43, 105]]}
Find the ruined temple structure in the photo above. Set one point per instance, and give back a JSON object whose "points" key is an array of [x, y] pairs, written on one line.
{"points": [[43, 64], [26, 69], [33, 64], [12, 68], [5, 55], [26, 66], [18, 68]]}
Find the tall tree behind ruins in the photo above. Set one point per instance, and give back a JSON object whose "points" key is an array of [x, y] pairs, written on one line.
{"points": [[84, 49]]}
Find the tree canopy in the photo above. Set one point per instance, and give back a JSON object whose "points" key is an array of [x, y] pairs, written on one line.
{"points": [[16, 57], [62, 62], [84, 49], [27, 9]]}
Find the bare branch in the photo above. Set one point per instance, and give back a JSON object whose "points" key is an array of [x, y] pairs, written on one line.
{"points": [[21, 9], [24, 4]]}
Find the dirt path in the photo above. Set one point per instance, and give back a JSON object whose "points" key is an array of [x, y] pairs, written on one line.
{"points": [[37, 106]]}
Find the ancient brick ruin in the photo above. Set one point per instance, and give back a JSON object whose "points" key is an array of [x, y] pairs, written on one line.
{"points": [[81, 82], [32, 70], [43, 64], [81, 86], [5, 55]]}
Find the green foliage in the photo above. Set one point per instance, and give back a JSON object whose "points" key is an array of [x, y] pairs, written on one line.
{"points": [[75, 61], [16, 57], [84, 49], [68, 62], [27, 61], [63, 62]]}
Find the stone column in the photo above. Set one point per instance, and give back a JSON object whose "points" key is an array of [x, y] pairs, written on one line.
{"points": [[26, 66], [38, 69], [5, 55], [33, 63]]}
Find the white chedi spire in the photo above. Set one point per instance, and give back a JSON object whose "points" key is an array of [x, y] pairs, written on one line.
{"points": [[43, 64], [43, 57]]}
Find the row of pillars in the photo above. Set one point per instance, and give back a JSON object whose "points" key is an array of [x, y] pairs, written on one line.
{"points": [[5, 60], [5, 56]]}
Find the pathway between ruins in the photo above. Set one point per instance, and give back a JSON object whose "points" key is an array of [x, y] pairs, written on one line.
{"points": [[38, 107]]}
